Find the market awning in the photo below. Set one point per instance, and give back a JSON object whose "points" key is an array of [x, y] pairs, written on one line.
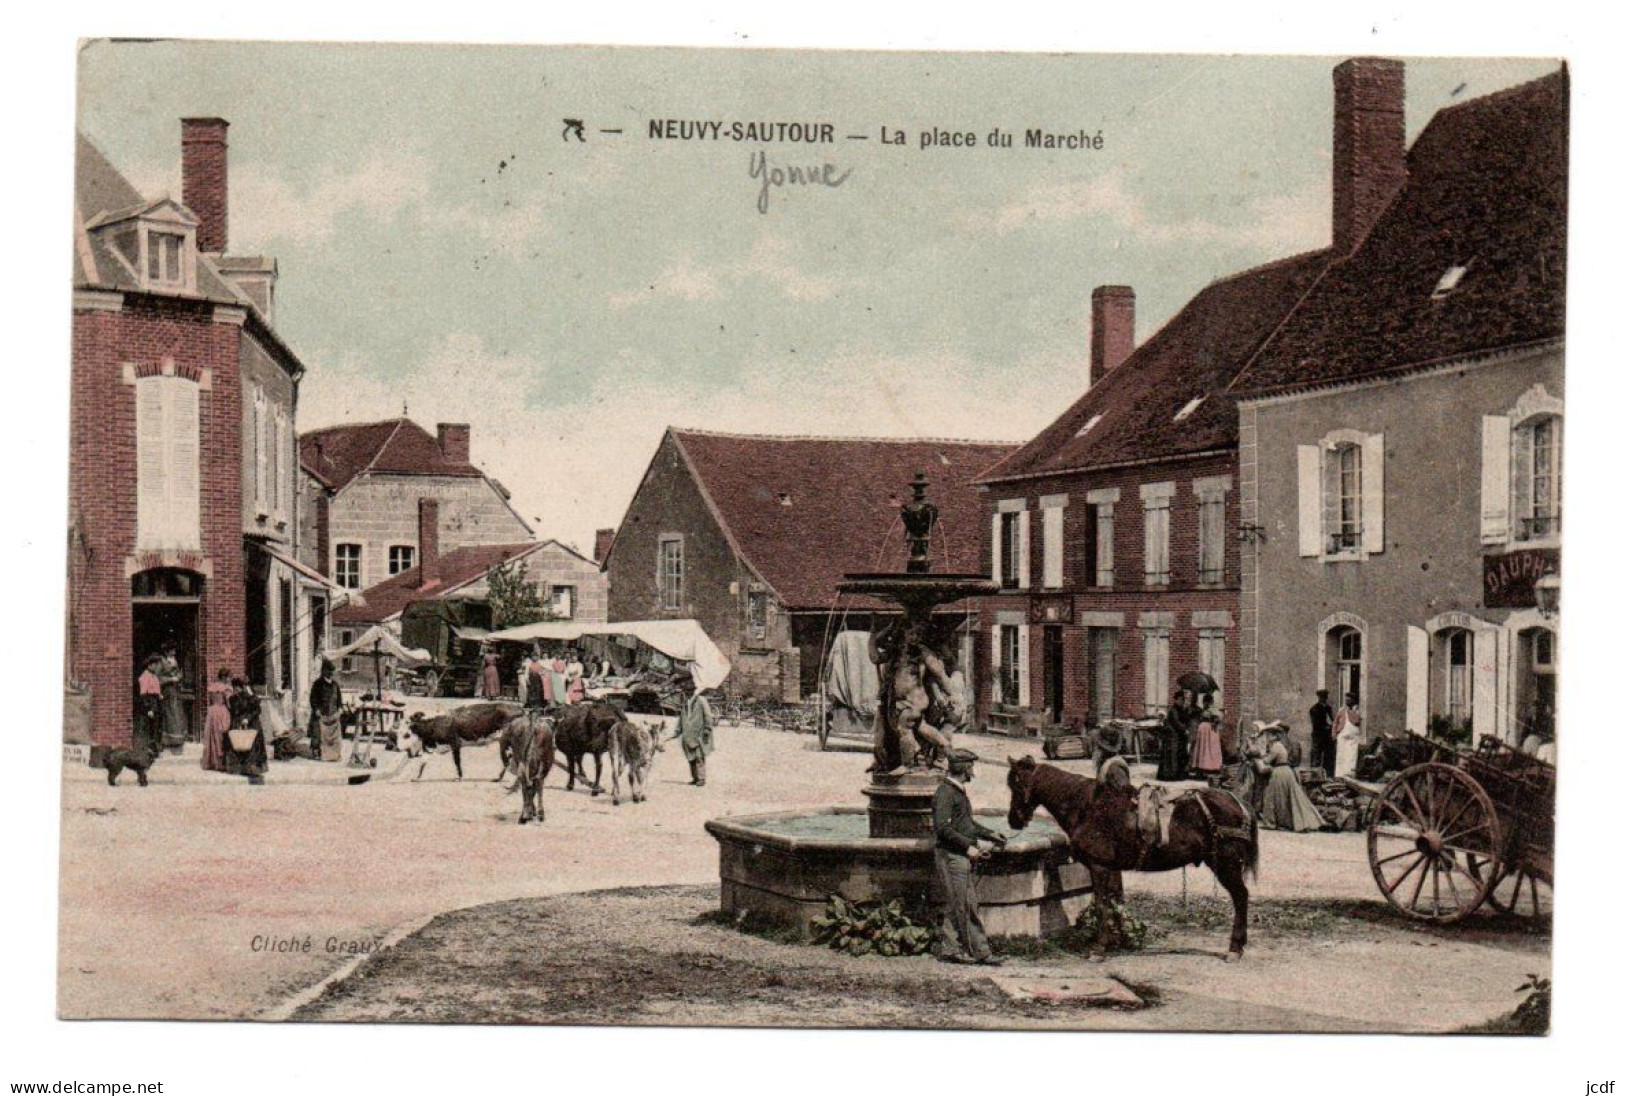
{"points": [[379, 640], [681, 641]]}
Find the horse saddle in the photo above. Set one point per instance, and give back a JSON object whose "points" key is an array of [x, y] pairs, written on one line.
{"points": [[1154, 811]]}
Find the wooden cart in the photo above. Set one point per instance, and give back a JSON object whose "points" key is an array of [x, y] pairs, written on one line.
{"points": [[1464, 828]]}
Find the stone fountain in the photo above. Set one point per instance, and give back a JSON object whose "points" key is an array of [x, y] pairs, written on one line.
{"points": [[783, 867]]}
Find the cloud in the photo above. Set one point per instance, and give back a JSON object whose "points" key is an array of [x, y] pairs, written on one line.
{"points": [[770, 261], [268, 206]]}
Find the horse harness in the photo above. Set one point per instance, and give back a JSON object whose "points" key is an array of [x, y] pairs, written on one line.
{"points": [[1218, 829]]}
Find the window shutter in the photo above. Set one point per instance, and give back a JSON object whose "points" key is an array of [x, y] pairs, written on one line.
{"points": [[1054, 524], [998, 548], [1023, 686], [152, 464], [1416, 680], [1106, 545], [1494, 490], [1371, 460], [1486, 681], [184, 495], [995, 654], [283, 487], [1024, 543], [257, 427], [1309, 500], [1091, 544]]}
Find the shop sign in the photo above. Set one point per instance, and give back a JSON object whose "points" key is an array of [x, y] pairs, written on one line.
{"points": [[1054, 609], [1509, 578]]}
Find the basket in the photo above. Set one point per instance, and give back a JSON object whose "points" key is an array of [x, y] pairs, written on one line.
{"points": [[242, 738]]}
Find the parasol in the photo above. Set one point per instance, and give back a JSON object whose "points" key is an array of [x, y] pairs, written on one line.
{"points": [[1198, 682]]}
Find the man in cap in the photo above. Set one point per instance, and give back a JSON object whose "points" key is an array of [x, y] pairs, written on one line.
{"points": [[961, 841], [326, 701], [1322, 747]]}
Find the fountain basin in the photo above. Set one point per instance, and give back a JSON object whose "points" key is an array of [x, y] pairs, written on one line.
{"points": [[783, 868]]}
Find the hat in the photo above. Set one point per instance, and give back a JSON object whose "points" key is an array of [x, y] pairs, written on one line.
{"points": [[327, 664], [961, 759], [1323, 692]]}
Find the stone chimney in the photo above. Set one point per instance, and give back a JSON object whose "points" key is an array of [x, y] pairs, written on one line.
{"points": [[1111, 329], [454, 442], [601, 543], [428, 542], [203, 179], [324, 532], [1368, 145]]}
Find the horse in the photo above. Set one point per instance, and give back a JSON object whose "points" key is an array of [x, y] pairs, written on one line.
{"points": [[632, 750], [1100, 820], [527, 747], [582, 729]]}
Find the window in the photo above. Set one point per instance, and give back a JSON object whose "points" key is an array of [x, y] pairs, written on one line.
{"points": [[402, 557], [258, 426], [756, 614], [1157, 499], [1345, 664], [346, 637], [1454, 701], [1102, 674], [167, 456], [1011, 679], [1012, 541], [1340, 496], [669, 572], [1156, 670], [1210, 547], [1538, 487], [1210, 655], [561, 601], [164, 258], [347, 566]]}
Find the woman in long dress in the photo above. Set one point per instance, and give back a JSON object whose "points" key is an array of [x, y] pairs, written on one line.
{"points": [[245, 715], [1346, 731], [217, 722], [1286, 804], [1207, 756], [490, 679], [169, 679]]}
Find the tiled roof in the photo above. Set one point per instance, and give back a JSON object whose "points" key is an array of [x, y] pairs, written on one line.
{"points": [[1487, 191], [1194, 356], [805, 511], [458, 568], [338, 454]]}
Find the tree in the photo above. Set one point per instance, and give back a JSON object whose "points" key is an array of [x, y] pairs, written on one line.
{"points": [[514, 598]]}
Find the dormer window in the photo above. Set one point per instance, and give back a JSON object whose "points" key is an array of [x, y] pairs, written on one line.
{"points": [[1189, 409], [1449, 280], [1094, 421], [164, 251]]}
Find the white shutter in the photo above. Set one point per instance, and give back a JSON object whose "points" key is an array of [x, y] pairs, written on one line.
{"points": [[1024, 543], [1023, 686], [998, 548], [1486, 681], [151, 464], [995, 657], [1106, 541], [282, 484], [185, 501], [1416, 680], [1054, 522], [257, 427], [1309, 536], [1494, 488], [1371, 458]]}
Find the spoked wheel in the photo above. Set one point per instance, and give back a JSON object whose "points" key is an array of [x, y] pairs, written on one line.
{"points": [[1427, 828], [1516, 890]]}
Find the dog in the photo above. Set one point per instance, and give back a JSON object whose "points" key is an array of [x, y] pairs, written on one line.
{"points": [[138, 759]]}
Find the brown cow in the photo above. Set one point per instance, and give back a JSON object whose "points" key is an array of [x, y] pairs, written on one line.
{"points": [[632, 750], [582, 729], [471, 723], [527, 747]]}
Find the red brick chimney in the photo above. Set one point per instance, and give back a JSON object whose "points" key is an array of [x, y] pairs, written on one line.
{"points": [[203, 179], [602, 541], [1368, 145], [454, 442], [428, 542], [1111, 329]]}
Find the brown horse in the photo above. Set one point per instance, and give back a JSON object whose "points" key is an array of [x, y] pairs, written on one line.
{"points": [[1101, 820]]}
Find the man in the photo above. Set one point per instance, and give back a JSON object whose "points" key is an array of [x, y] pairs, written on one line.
{"points": [[694, 724], [961, 841], [1322, 747], [326, 701], [1175, 762]]}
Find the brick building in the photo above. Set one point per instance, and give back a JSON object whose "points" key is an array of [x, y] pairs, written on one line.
{"points": [[362, 485], [1401, 441], [1116, 532], [751, 535], [182, 508]]}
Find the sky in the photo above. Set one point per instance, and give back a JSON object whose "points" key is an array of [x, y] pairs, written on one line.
{"points": [[444, 249]]}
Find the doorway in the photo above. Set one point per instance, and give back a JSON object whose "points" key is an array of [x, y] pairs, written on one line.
{"points": [[1537, 683], [164, 608], [1054, 672]]}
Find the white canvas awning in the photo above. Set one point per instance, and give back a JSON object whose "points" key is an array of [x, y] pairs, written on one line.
{"points": [[379, 639], [682, 641]]}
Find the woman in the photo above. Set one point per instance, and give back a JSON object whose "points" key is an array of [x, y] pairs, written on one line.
{"points": [[575, 675], [217, 722], [1346, 731], [1207, 758], [1174, 762], [1286, 806], [150, 706], [490, 678], [244, 704], [537, 694], [169, 679]]}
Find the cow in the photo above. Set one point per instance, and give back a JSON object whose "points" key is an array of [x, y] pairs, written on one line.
{"points": [[632, 749], [583, 729], [471, 723], [527, 747]]}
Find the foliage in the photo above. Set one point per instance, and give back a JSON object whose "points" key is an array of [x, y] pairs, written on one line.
{"points": [[1130, 933], [1534, 1012], [871, 928], [513, 597]]}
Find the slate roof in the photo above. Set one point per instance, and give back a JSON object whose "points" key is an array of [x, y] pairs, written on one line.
{"points": [[458, 567], [1194, 355], [338, 454], [803, 512], [1487, 190]]}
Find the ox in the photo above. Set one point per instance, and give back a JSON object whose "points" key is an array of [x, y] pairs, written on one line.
{"points": [[632, 749], [471, 724], [527, 748], [580, 730]]}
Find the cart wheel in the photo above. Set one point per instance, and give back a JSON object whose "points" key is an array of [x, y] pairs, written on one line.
{"points": [[1517, 891], [1427, 828]]}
